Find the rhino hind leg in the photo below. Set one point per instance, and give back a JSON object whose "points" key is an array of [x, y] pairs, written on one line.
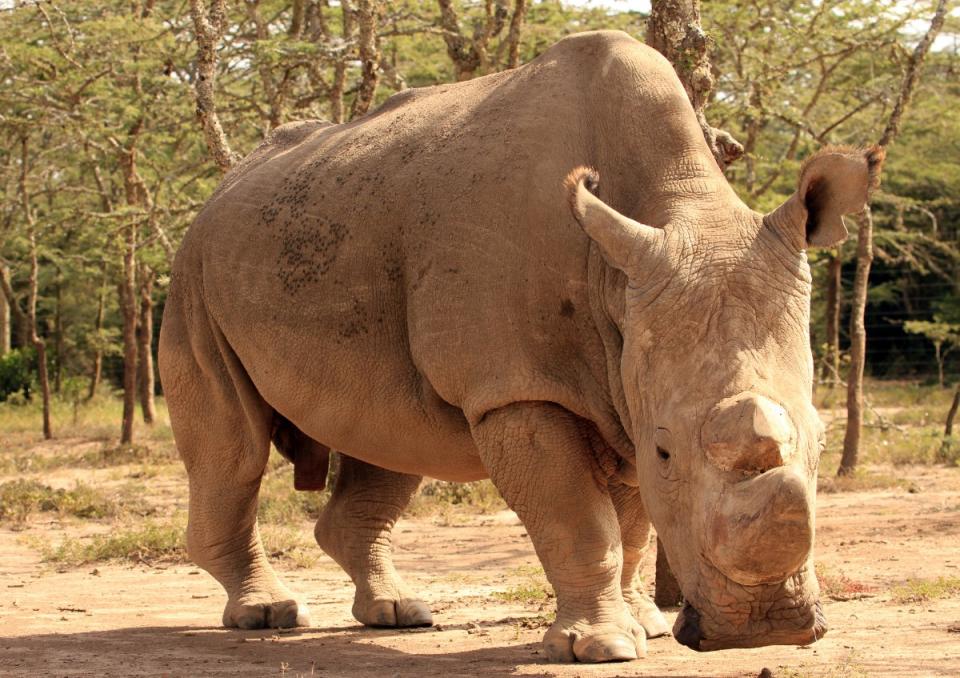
{"points": [[540, 461], [635, 532], [355, 529], [222, 429]]}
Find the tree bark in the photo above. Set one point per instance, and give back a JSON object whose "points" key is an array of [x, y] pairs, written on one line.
{"points": [[128, 281], [128, 309], [851, 441], [5, 327], [674, 30], [145, 346], [469, 54], [831, 371], [97, 368], [38, 344], [948, 426], [513, 36], [23, 334], [58, 345], [33, 287], [367, 13], [209, 26], [858, 345]]}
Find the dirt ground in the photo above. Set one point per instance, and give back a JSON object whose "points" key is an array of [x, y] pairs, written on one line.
{"points": [[127, 620]]}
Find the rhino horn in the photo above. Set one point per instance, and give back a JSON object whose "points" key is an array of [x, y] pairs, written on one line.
{"points": [[622, 241], [748, 433]]}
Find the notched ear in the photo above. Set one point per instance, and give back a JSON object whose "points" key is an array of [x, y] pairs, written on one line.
{"points": [[624, 243], [836, 180]]}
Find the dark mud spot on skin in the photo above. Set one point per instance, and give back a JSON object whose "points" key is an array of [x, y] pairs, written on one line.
{"points": [[567, 308]]}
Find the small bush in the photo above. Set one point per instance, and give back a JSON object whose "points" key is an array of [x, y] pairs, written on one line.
{"points": [[15, 371], [20, 498], [437, 495]]}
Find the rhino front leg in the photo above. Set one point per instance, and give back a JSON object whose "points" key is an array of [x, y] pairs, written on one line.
{"points": [[356, 530], [635, 531], [539, 460]]}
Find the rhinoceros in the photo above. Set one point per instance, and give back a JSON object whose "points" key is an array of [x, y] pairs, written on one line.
{"points": [[540, 277]]}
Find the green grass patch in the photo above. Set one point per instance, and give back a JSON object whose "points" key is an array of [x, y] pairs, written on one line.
{"points": [[525, 594], [532, 590], [290, 546], [95, 419], [436, 496], [149, 543], [164, 541], [861, 480], [922, 590], [281, 504], [104, 457], [19, 499]]}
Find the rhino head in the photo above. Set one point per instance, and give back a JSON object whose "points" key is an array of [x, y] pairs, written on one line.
{"points": [[717, 377]]}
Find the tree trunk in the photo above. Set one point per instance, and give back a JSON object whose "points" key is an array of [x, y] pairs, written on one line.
{"points": [[145, 346], [5, 328], [58, 347], [667, 593], [209, 26], [513, 36], [128, 309], [938, 352], [858, 339], [831, 371], [97, 369], [128, 282], [33, 287], [858, 344], [367, 13], [21, 324], [38, 344], [673, 29], [948, 427]]}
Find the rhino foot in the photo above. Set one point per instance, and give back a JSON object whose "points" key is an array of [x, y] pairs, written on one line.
{"points": [[607, 642], [403, 612], [647, 614], [280, 614]]}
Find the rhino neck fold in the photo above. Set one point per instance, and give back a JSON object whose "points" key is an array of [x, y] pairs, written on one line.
{"points": [[607, 301]]}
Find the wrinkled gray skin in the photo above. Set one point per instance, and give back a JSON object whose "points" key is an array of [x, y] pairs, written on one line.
{"points": [[421, 290]]}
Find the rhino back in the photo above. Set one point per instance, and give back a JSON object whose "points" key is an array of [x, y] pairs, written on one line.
{"points": [[418, 265]]}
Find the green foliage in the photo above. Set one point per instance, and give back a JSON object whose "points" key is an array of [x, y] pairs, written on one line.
{"points": [[15, 372], [89, 85], [923, 590]]}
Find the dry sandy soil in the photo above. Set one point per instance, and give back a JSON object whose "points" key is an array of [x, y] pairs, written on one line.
{"points": [[153, 621]]}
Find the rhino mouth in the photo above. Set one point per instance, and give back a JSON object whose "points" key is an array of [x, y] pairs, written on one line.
{"points": [[788, 613], [688, 631]]}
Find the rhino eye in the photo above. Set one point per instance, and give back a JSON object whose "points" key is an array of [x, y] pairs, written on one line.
{"points": [[663, 454]]}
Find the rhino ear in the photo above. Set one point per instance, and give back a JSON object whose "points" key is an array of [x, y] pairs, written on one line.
{"points": [[623, 242], [837, 180]]}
